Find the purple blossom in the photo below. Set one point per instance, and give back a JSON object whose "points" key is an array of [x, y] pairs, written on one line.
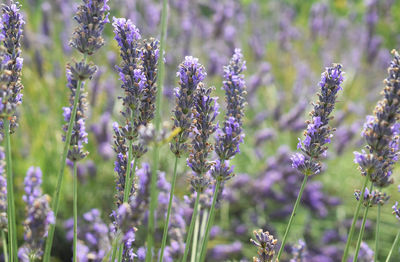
{"points": [[10, 58], [76, 72], [205, 110], [39, 216], [93, 236], [318, 132], [91, 17], [265, 244], [396, 210], [190, 75], [381, 132]]}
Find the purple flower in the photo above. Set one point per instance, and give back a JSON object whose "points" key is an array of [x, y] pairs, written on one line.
{"points": [[39, 216], [91, 16], [205, 110], [234, 86], [190, 75], [10, 60], [150, 51], [396, 210], [381, 132], [318, 132], [93, 236], [76, 72], [265, 244]]}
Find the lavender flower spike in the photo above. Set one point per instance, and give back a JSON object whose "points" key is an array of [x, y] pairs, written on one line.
{"points": [[230, 136], [318, 133], [265, 244], [234, 86], [39, 217], [381, 132], [11, 60], [76, 73], [150, 51], [190, 74], [91, 16], [205, 111]]}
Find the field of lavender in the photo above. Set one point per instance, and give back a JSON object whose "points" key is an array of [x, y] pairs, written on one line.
{"points": [[199, 130]]}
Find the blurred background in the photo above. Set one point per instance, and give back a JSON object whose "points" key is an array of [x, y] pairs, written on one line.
{"points": [[287, 44]]}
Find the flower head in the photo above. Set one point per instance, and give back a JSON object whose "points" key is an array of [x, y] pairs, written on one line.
{"points": [[39, 216], [318, 132], [265, 244], [10, 61], [190, 75], [381, 132], [77, 72], [91, 16]]}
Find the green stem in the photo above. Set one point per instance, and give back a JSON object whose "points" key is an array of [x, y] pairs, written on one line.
{"points": [[12, 228], [75, 207], [202, 231], [296, 205], [196, 235], [5, 252], [128, 188], [114, 251], [166, 224], [210, 222], [128, 175], [378, 220], [56, 197], [395, 243], [157, 123], [191, 227], [353, 224], [362, 229]]}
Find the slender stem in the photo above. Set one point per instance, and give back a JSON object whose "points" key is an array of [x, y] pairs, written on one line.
{"points": [[202, 231], [378, 220], [12, 228], [115, 247], [75, 177], [128, 175], [128, 188], [157, 122], [296, 205], [395, 243], [362, 229], [5, 252], [56, 197], [195, 236], [210, 222], [166, 224], [353, 224], [191, 227]]}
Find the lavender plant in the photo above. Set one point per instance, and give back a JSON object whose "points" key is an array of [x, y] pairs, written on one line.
{"points": [[205, 112], [230, 136], [265, 244], [317, 135], [157, 120], [39, 217], [138, 73], [93, 236], [11, 65], [191, 74], [91, 17], [381, 134]]}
